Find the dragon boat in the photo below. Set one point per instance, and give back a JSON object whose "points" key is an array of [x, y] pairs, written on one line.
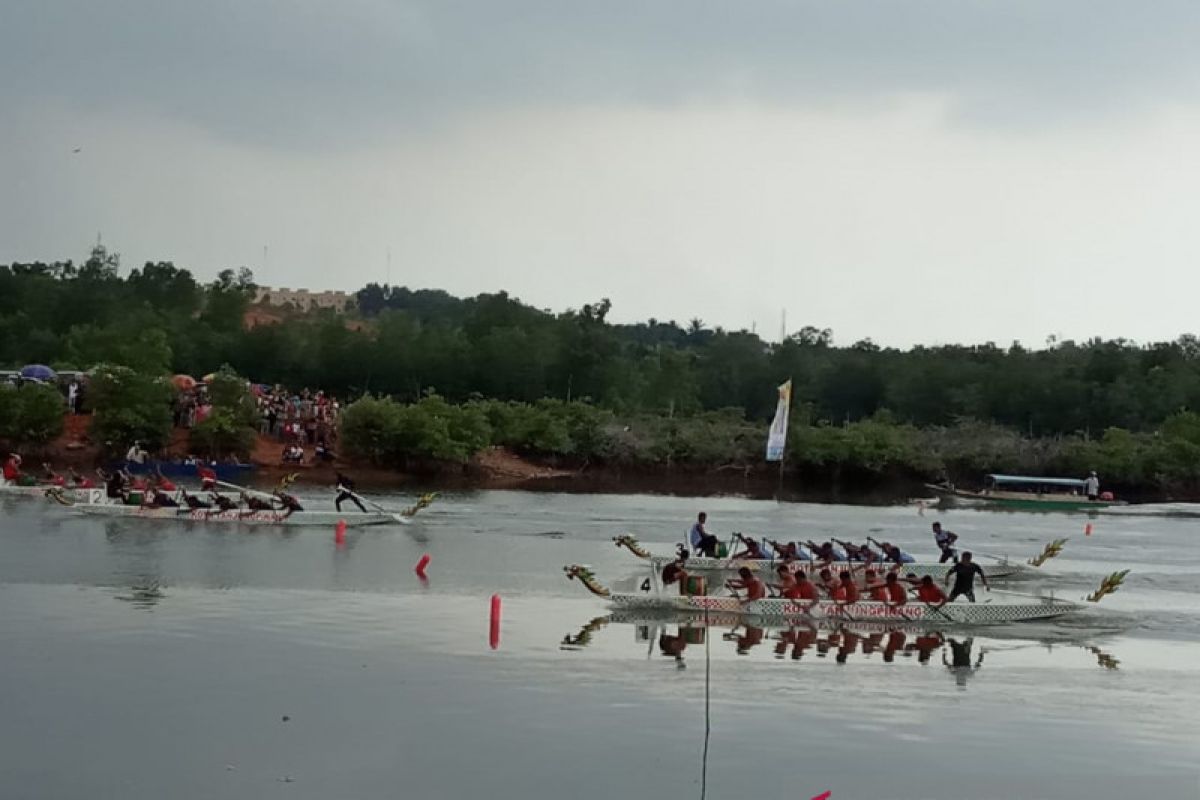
{"points": [[246, 516], [1000, 607], [51, 491], [996, 568]]}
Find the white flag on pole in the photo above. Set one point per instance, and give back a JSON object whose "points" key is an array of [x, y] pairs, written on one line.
{"points": [[777, 437]]}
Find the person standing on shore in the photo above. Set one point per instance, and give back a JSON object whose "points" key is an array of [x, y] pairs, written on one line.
{"points": [[345, 490], [1091, 487]]}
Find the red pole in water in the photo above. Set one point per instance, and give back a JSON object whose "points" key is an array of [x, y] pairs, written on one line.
{"points": [[1087, 529], [421, 565], [339, 532], [494, 628]]}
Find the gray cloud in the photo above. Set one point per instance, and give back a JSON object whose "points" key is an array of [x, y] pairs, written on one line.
{"points": [[320, 74]]}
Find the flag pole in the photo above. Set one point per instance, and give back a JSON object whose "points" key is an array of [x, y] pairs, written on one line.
{"points": [[783, 455]]}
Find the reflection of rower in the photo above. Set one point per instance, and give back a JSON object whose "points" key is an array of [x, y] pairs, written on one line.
{"points": [[895, 644]]}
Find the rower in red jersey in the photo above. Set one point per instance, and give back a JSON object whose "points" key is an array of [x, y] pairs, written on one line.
{"points": [[754, 588], [208, 478], [847, 590], [876, 589], [897, 595], [930, 592]]}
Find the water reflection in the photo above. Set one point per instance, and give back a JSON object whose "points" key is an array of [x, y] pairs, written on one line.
{"points": [[962, 654], [143, 595]]}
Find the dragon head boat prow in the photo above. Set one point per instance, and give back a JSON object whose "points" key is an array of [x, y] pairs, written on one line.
{"points": [[629, 541], [587, 578]]}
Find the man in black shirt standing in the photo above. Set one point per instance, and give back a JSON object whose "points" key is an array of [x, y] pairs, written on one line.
{"points": [[964, 573]]}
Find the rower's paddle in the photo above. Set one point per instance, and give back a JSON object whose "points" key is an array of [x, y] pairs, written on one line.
{"points": [[371, 503], [245, 490]]}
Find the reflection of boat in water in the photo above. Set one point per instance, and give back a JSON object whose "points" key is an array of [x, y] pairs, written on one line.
{"points": [[1028, 493], [836, 640], [996, 568], [1003, 607]]}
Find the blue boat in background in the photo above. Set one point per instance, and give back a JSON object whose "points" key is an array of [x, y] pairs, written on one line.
{"points": [[226, 471]]}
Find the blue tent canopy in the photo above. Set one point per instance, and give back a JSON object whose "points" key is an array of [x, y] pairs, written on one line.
{"points": [[1072, 482]]}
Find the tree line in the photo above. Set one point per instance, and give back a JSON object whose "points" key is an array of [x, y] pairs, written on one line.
{"points": [[688, 388]]}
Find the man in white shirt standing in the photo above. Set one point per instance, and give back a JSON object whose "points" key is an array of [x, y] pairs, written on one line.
{"points": [[1091, 487]]}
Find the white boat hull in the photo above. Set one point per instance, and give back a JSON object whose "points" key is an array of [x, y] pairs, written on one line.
{"points": [[986, 612], [244, 517]]}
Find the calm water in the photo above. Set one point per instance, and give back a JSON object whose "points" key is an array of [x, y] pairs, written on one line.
{"points": [[142, 661]]}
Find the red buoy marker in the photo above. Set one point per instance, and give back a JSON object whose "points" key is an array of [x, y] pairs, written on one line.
{"points": [[339, 532], [421, 565], [1087, 529], [494, 627]]}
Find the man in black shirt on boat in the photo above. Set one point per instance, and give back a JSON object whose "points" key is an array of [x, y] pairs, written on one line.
{"points": [[345, 490], [964, 573]]}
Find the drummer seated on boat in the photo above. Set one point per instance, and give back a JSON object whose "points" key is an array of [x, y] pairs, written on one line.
{"points": [[702, 541], [752, 549], [847, 590], [752, 586]]}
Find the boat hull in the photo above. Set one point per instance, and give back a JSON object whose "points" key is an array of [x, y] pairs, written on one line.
{"points": [[243, 517], [46, 491], [1024, 501], [982, 613]]}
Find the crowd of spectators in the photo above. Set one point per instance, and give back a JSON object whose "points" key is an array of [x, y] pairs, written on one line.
{"points": [[304, 420]]}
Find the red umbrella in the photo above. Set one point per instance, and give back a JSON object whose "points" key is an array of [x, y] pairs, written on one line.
{"points": [[184, 383]]}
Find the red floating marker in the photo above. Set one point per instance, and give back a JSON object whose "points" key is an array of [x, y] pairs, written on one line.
{"points": [[339, 532], [494, 628], [823, 796], [1087, 529], [421, 565]]}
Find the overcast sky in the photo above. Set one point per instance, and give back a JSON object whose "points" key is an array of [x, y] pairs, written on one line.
{"points": [[913, 172]]}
